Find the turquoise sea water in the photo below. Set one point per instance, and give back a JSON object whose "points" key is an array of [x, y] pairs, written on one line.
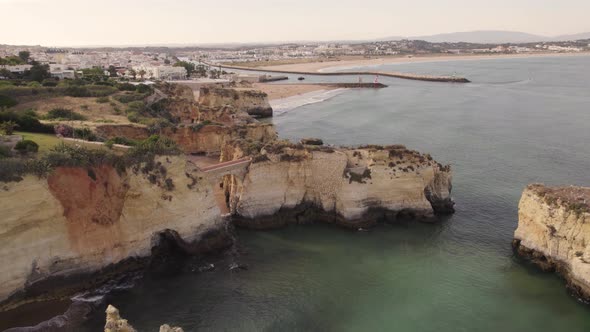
{"points": [[520, 121]]}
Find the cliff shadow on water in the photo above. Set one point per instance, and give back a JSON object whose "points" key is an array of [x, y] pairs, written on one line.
{"points": [[52, 306], [309, 213]]}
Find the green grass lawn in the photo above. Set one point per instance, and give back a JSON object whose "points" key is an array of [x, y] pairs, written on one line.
{"points": [[45, 141]]}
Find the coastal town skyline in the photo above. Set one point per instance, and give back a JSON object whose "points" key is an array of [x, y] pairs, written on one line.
{"points": [[132, 22]]}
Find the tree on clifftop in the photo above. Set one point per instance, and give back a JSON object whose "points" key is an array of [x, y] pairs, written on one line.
{"points": [[38, 72], [132, 73], [24, 55], [112, 71], [11, 61], [189, 66], [5, 73], [8, 127]]}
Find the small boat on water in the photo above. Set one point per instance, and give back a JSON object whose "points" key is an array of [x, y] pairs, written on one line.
{"points": [[301, 78]]}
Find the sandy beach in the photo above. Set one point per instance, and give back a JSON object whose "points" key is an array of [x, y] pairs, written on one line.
{"points": [[327, 66], [281, 91]]}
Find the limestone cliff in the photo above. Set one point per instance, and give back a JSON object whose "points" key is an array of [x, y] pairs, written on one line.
{"points": [[81, 220], [352, 187], [211, 139], [176, 100], [251, 101], [554, 233], [130, 131]]}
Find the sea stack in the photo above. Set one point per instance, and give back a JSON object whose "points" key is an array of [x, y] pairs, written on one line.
{"points": [[554, 233], [352, 187], [114, 323]]}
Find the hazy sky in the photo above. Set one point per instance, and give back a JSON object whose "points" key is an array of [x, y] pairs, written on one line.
{"points": [[125, 22]]}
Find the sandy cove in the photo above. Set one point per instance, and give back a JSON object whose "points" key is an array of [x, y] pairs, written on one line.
{"points": [[327, 66], [281, 91]]}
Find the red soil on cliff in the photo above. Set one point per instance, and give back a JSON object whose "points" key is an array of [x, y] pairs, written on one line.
{"points": [[92, 200]]}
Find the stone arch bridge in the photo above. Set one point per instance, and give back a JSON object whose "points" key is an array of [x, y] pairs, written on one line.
{"points": [[234, 167]]}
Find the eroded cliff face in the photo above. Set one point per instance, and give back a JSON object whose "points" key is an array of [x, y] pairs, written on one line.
{"points": [[82, 220], [195, 138], [554, 233], [175, 99], [253, 102], [211, 139], [351, 187], [109, 131]]}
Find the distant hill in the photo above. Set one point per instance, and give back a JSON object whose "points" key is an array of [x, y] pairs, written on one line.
{"points": [[577, 36], [486, 37], [491, 37]]}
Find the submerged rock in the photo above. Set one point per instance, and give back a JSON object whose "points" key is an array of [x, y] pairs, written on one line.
{"points": [[554, 233], [206, 268], [312, 141], [237, 267]]}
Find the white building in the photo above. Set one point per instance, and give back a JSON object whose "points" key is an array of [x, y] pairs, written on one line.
{"points": [[61, 71], [16, 69], [162, 72]]}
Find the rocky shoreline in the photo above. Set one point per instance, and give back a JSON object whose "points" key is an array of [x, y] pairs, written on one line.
{"points": [[577, 288], [167, 257], [79, 227], [553, 233]]}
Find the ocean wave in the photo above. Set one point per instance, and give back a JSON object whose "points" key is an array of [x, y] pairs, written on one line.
{"points": [[284, 105], [98, 295]]}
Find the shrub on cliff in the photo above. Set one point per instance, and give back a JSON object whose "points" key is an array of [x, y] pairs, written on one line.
{"points": [[89, 91], [64, 114], [121, 141], [27, 121], [5, 152], [197, 126], [85, 134], [154, 145], [260, 159], [129, 97], [6, 101], [126, 87], [13, 169], [143, 88], [49, 83], [72, 156], [63, 130], [8, 127], [27, 146], [359, 178]]}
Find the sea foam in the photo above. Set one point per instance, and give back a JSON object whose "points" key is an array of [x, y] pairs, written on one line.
{"points": [[283, 105]]}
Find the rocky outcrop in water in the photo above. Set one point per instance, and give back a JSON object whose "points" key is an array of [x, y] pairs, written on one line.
{"points": [[114, 323], [81, 226], [295, 183], [554, 233]]}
